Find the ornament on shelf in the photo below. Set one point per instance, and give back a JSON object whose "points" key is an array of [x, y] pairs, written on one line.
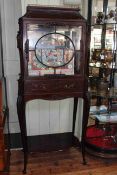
{"points": [[100, 18], [111, 17]]}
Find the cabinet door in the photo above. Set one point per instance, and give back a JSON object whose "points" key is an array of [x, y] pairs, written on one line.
{"points": [[54, 49]]}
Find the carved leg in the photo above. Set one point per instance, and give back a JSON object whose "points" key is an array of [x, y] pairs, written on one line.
{"points": [[25, 162], [74, 117], [22, 122], [84, 125]]}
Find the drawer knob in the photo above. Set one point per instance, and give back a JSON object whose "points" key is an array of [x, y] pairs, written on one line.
{"points": [[69, 86], [36, 87]]}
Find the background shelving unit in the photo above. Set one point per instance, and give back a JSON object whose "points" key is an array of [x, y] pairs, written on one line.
{"points": [[101, 137]]}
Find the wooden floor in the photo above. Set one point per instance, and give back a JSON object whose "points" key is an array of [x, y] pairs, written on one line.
{"points": [[68, 162]]}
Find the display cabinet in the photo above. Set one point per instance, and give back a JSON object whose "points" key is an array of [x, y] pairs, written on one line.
{"points": [[101, 137], [52, 43]]}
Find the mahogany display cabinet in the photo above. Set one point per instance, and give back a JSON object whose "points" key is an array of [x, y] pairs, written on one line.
{"points": [[53, 46]]}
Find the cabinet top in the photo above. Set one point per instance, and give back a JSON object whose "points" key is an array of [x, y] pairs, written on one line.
{"points": [[53, 12]]}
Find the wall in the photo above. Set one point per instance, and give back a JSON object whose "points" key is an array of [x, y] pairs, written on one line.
{"points": [[42, 117], [10, 12], [40, 2]]}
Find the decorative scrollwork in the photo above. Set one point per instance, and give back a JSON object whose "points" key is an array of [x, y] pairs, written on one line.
{"points": [[69, 86], [27, 49], [41, 86], [19, 40]]}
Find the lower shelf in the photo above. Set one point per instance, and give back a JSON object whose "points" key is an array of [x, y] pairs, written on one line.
{"points": [[101, 140]]}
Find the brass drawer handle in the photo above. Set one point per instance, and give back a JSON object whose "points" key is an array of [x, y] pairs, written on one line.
{"points": [[36, 87], [69, 86]]}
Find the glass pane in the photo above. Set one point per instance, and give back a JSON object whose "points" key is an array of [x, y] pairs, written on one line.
{"points": [[54, 49], [74, 33], [35, 31]]}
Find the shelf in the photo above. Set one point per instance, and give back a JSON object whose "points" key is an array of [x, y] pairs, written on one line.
{"points": [[106, 117], [98, 109], [108, 25], [102, 138], [101, 67], [110, 94]]}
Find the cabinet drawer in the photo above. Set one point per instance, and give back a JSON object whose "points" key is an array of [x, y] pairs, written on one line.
{"points": [[41, 86], [53, 86], [70, 85]]}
